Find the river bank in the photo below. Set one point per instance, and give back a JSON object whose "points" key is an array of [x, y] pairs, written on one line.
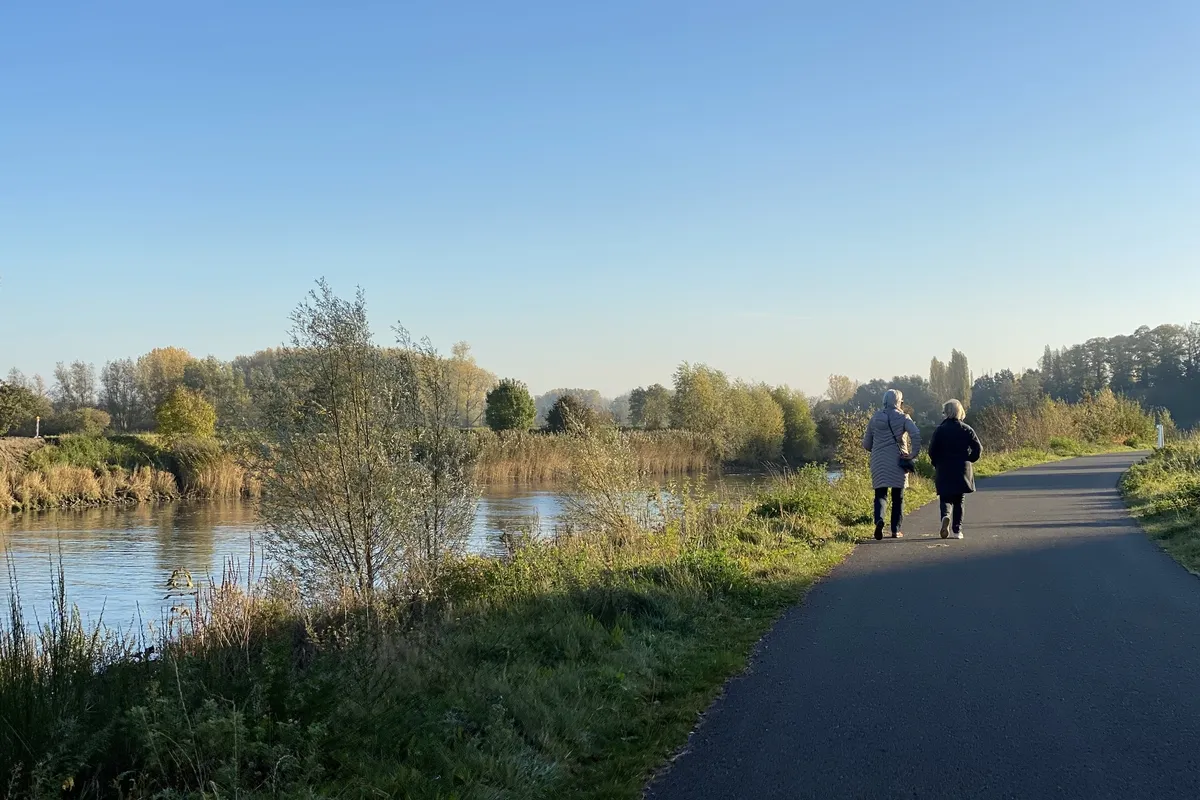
{"points": [[77, 471]]}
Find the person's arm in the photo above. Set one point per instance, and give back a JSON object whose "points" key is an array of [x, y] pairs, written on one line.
{"points": [[933, 448], [868, 441], [975, 449], [914, 437]]}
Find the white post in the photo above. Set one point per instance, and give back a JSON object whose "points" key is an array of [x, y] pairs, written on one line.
{"points": [[37, 430], [1161, 437]]}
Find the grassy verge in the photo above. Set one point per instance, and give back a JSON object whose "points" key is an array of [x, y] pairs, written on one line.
{"points": [[571, 669], [1163, 492]]}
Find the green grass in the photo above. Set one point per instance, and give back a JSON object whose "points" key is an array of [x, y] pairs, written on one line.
{"points": [[1163, 492]]}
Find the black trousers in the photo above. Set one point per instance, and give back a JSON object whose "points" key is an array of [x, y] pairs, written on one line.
{"points": [[897, 506], [954, 501]]}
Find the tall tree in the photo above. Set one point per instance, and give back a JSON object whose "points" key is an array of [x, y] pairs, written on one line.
{"points": [[841, 389], [799, 429], [650, 407], [471, 383], [159, 373], [220, 384], [958, 378], [75, 385], [119, 394], [939, 380]]}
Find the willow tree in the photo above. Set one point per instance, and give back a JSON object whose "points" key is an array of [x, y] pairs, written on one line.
{"points": [[366, 479]]}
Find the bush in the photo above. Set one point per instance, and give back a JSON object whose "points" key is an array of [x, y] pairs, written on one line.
{"points": [[85, 421], [186, 413], [510, 407]]}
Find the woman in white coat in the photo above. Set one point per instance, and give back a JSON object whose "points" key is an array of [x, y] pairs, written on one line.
{"points": [[894, 442]]}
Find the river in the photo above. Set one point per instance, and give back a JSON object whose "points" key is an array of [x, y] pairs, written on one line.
{"points": [[117, 559]]}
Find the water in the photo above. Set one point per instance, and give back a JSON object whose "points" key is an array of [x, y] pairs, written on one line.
{"points": [[117, 560]]}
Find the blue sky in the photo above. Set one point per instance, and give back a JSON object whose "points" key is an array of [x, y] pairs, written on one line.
{"points": [[592, 193]]}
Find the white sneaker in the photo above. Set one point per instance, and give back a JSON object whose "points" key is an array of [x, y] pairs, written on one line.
{"points": [[945, 526], [958, 535]]}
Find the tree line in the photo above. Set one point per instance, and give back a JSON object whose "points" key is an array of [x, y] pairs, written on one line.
{"points": [[169, 389]]}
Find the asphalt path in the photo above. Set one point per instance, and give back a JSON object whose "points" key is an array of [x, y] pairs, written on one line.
{"points": [[1054, 652]]}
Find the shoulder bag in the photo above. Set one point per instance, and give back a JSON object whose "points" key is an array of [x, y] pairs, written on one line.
{"points": [[905, 463]]}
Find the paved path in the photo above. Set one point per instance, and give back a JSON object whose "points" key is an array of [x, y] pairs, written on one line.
{"points": [[1055, 652]]}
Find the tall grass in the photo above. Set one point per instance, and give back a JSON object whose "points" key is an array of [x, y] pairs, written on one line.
{"points": [[88, 470], [1101, 419], [520, 457], [1164, 493]]}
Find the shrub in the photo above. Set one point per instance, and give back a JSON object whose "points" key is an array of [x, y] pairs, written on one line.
{"points": [[510, 407], [86, 421], [186, 413], [849, 452]]}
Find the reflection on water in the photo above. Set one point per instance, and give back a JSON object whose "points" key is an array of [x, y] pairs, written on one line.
{"points": [[117, 559]]}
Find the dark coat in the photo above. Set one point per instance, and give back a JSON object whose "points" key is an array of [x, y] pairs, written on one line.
{"points": [[953, 449]]}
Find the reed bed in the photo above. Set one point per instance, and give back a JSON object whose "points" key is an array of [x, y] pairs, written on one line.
{"points": [[93, 471], [520, 457]]}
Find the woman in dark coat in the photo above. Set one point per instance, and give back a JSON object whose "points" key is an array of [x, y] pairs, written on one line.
{"points": [[953, 449]]}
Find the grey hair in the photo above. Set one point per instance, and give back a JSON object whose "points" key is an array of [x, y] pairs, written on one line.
{"points": [[892, 398], [954, 410]]}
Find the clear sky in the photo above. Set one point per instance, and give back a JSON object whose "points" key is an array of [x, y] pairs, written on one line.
{"points": [[590, 193]]}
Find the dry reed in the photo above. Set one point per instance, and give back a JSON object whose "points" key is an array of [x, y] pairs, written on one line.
{"points": [[518, 457]]}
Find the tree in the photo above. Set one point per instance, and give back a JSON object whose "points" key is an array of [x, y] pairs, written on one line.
{"points": [[359, 465], [444, 454], [656, 411], [589, 397], [17, 378], [701, 404], [569, 411], [471, 384], [799, 429], [510, 407], [186, 413], [958, 379], [220, 384], [939, 380], [75, 385], [17, 405], [650, 408], [841, 389], [119, 394], [757, 423], [160, 371], [637, 407], [618, 409]]}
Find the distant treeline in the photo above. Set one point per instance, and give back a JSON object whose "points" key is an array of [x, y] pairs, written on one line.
{"points": [[741, 422]]}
